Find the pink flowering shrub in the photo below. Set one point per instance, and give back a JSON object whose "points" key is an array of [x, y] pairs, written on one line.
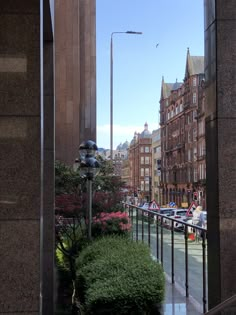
{"points": [[106, 223]]}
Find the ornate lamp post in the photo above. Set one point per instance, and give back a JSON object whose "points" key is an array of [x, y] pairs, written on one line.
{"points": [[89, 167]]}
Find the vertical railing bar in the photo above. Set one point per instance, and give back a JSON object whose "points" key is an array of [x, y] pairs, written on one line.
{"points": [[204, 270], [172, 253], [132, 221], [136, 224], [162, 241], [186, 260], [149, 229], [142, 225], [157, 237]]}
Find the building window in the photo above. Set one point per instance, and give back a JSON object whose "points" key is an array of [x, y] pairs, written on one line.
{"points": [[195, 175], [147, 172], [201, 128], [142, 172], [189, 175], [141, 149], [194, 98], [189, 155], [142, 185], [189, 136], [195, 154], [202, 171], [202, 150], [147, 160], [147, 149], [142, 160], [146, 185], [194, 81], [166, 176], [189, 118]]}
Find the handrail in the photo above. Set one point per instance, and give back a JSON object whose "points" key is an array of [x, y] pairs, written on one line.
{"points": [[222, 305], [167, 217], [160, 225]]}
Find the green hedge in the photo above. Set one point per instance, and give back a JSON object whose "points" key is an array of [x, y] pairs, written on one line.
{"points": [[117, 276]]}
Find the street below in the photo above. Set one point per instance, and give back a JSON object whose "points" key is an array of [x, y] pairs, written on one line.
{"points": [[195, 276]]}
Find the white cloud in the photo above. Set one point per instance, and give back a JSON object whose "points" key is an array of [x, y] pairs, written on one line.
{"points": [[120, 134]]}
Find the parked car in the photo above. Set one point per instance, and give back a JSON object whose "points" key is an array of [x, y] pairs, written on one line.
{"points": [[179, 214], [145, 205], [166, 212]]}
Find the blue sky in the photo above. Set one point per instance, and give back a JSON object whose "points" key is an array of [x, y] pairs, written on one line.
{"points": [[138, 65]]}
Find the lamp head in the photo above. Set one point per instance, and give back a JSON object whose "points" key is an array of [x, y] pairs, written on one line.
{"points": [[89, 167], [132, 32], [87, 148]]}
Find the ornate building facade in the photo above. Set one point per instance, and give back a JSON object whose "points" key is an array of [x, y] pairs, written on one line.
{"points": [[182, 108], [156, 163], [140, 158]]}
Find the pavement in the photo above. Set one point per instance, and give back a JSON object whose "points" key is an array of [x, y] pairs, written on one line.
{"points": [[176, 303]]}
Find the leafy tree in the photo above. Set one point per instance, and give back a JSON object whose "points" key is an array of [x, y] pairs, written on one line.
{"points": [[108, 188], [66, 179], [71, 206]]}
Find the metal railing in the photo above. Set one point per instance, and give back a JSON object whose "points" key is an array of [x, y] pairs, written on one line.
{"points": [[223, 306], [182, 250]]}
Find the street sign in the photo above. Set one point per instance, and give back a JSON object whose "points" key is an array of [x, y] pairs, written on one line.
{"points": [[154, 206], [192, 207]]}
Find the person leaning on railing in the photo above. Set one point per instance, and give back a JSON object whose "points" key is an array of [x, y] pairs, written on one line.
{"points": [[198, 219], [196, 216]]}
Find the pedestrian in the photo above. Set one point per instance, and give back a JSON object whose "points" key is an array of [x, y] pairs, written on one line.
{"points": [[197, 220]]}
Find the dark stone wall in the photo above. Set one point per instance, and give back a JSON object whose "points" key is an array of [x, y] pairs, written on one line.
{"points": [[26, 158], [75, 76], [220, 71]]}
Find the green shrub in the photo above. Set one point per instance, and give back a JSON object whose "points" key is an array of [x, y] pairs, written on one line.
{"points": [[117, 276]]}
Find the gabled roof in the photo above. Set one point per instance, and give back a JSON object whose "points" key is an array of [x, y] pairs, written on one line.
{"points": [[166, 88], [194, 65]]}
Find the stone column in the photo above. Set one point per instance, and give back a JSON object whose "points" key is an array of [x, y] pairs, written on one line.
{"points": [[26, 159], [75, 76], [220, 72], [48, 185]]}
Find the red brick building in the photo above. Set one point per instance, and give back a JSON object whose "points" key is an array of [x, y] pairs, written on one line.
{"points": [[183, 136], [140, 158]]}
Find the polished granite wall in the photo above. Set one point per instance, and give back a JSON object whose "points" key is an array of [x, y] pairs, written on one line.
{"points": [[75, 76], [26, 158], [220, 72]]}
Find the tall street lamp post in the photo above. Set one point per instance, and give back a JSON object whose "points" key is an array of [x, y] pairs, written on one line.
{"points": [[111, 88], [89, 168]]}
